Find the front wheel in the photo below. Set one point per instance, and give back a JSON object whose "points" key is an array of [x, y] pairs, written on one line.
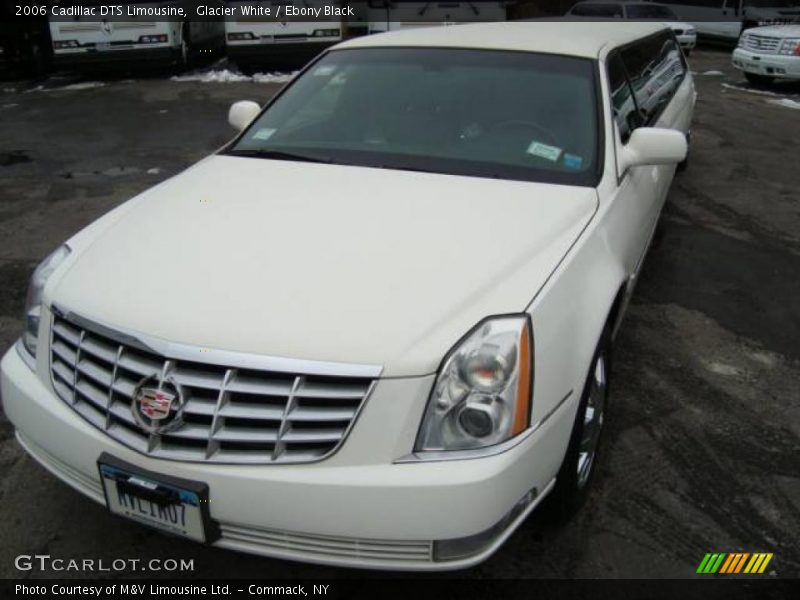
{"points": [[184, 57], [756, 79], [580, 462]]}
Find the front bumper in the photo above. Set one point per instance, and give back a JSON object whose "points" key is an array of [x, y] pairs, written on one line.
{"points": [[358, 508], [768, 65], [687, 42]]}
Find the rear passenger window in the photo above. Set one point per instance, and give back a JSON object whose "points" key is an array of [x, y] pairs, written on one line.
{"points": [[622, 102], [655, 69]]}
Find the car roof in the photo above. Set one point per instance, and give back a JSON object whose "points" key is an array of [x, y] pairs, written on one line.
{"points": [[571, 38]]}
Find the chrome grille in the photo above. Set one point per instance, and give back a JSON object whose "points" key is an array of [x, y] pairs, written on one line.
{"points": [[272, 542], [231, 415], [761, 43]]}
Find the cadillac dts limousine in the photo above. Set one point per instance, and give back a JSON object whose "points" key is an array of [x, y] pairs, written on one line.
{"points": [[375, 329]]}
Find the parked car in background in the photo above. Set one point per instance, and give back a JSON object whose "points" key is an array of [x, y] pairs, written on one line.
{"points": [[393, 15], [768, 53], [81, 42], [266, 43], [724, 20], [341, 338], [638, 11], [24, 44]]}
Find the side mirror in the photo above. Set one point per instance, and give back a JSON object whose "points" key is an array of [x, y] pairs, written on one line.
{"points": [[242, 113], [653, 146]]}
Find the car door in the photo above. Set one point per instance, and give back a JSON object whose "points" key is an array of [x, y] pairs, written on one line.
{"points": [[635, 201], [658, 75]]}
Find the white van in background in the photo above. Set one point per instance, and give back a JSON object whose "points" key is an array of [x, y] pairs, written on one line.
{"points": [[724, 20], [85, 41], [285, 42], [391, 15]]}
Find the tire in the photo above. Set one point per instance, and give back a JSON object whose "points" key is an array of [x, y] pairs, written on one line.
{"points": [[687, 52], [576, 474], [758, 79], [184, 59], [38, 60]]}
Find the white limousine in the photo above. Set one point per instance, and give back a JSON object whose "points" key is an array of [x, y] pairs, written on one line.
{"points": [[374, 330]]}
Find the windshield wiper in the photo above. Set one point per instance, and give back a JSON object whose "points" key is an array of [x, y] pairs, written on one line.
{"points": [[280, 155]]}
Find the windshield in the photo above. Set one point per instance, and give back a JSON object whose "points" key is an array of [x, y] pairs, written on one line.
{"points": [[638, 11], [508, 115]]}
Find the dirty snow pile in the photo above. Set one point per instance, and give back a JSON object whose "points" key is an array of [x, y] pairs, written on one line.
{"points": [[228, 76], [788, 103], [742, 88]]}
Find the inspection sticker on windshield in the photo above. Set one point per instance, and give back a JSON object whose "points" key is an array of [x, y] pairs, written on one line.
{"points": [[544, 151], [573, 161], [263, 134]]}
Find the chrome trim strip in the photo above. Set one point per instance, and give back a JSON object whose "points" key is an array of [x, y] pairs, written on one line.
{"points": [[76, 372], [225, 358], [291, 402], [443, 455], [213, 445], [111, 387]]}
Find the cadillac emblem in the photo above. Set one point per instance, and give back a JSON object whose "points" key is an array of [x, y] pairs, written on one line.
{"points": [[158, 405]]}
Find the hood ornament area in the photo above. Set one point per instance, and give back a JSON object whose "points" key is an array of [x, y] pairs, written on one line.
{"points": [[157, 405]]}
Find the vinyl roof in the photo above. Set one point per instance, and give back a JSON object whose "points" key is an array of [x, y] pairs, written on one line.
{"points": [[571, 38]]}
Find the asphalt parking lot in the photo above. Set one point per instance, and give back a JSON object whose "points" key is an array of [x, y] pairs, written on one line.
{"points": [[702, 453]]}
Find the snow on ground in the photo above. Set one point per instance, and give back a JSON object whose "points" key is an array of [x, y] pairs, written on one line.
{"points": [[220, 76], [83, 85], [714, 73], [786, 102], [742, 88], [231, 76]]}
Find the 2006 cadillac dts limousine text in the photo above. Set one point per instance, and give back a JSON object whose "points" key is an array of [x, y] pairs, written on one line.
{"points": [[375, 329]]}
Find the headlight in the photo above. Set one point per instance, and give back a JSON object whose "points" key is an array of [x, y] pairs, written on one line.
{"points": [[790, 46], [482, 393], [742, 40], [33, 303]]}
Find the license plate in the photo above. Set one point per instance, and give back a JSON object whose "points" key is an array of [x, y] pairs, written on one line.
{"points": [[169, 504], [103, 46]]}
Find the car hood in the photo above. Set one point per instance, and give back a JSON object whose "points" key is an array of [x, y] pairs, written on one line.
{"points": [[679, 25], [322, 262], [779, 31]]}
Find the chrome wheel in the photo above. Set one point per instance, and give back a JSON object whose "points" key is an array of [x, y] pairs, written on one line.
{"points": [[592, 421]]}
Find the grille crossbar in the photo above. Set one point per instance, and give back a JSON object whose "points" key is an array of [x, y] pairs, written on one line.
{"points": [[762, 43], [230, 415]]}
